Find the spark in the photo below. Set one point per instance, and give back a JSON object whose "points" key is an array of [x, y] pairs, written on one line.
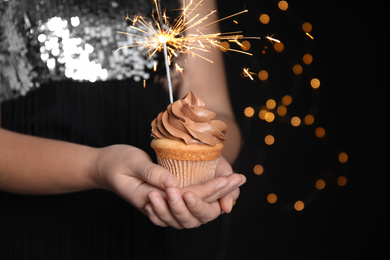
{"points": [[247, 73], [153, 35], [272, 39], [178, 68], [310, 36], [170, 36]]}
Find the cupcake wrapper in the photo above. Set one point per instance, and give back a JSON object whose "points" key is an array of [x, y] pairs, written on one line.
{"points": [[189, 172]]}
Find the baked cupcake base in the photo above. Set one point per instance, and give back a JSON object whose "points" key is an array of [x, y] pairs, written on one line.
{"points": [[191, 164]]}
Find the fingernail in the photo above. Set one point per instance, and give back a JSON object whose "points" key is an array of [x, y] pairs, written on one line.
{"points": [[173, 196], [231, 203], [155, 200], [190, 200], [149, 210], [234, 184], [221, 185], [168, 181]]}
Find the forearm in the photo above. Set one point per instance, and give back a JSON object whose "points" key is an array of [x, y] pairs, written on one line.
{"points": [[33, 165]]}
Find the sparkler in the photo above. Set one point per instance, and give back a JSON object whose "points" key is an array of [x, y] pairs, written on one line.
{"points": [[172, 38]]}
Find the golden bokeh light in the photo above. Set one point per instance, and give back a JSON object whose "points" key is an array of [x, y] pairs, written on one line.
{"points": [[295, 121], [249, 111], [343, 157], [258, 169], [283, 5], [269, 140], [320, 132], [270, 104], [281, 110], [308, 119], [297, 69], [287, 100], [315, 83], [269, 117], [279, 47], [320, 184], [245, 45], [341, 181], [262, 114], [272, 198], [225, 46], [263, 75], [307, 27], [264, 18], [307, 58], [299, 205]]}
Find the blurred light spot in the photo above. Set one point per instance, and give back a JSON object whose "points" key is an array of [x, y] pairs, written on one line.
{"points": [[75, 21], [307, 27], [263, 75], [297, 69], [258, 169], [269, 117], [270, 104], [342, 181], [269, 140], [320, 184], [249, 111], [282, 110], [42, 38], [320, 132], [272, 198], [299, 205], [51, 63], [283, 5], [278, 46], [287, 100], [315, 83], [245, 45], [307, 59], [262, 113], [343, 157], [264, 18], [295, 121], [308, 119], [225, 46]]}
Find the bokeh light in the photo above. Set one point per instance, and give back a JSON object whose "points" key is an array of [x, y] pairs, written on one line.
{"points": [[263, 75], [249, 111], [269, 139], [299, 205], [307, 58], [272, 198], [315, 83], [283, 5], [320, 132], [341, 181], [258, 169], [264, 18]]}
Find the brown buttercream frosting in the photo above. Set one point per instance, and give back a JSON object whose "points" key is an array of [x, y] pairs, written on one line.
{"points": [[188, 120]]}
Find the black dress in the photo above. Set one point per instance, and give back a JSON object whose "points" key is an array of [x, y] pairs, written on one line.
{"points": [[41, 98]]}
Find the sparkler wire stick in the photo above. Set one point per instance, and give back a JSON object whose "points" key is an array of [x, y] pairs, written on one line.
{"points": [[168, 72]]}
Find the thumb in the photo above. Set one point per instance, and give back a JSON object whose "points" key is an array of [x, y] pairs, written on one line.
{"points": [[157, 176]]}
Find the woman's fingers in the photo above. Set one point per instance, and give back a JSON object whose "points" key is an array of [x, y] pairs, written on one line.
{"points": [[161, 211], [200, 209]]}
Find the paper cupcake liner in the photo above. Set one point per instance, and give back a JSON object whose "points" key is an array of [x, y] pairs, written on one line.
{"points": [[189, 172]]}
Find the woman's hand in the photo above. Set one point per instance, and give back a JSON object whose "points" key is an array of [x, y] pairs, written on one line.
{"points": [[129, 172], [198, 204]]}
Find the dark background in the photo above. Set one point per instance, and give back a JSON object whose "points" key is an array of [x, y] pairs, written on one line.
{"points": [[348, 51]]}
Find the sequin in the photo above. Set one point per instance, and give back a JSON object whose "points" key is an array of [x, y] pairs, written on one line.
{"points": [[54, 40]]}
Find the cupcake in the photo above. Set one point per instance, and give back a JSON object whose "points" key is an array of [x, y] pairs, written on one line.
{"points": [[188, 140]]}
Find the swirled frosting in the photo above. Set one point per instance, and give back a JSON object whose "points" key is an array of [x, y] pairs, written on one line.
{"points": [[187, 119]]}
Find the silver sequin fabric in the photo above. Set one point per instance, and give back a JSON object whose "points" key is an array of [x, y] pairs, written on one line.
{"points": [[55, 40]]}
